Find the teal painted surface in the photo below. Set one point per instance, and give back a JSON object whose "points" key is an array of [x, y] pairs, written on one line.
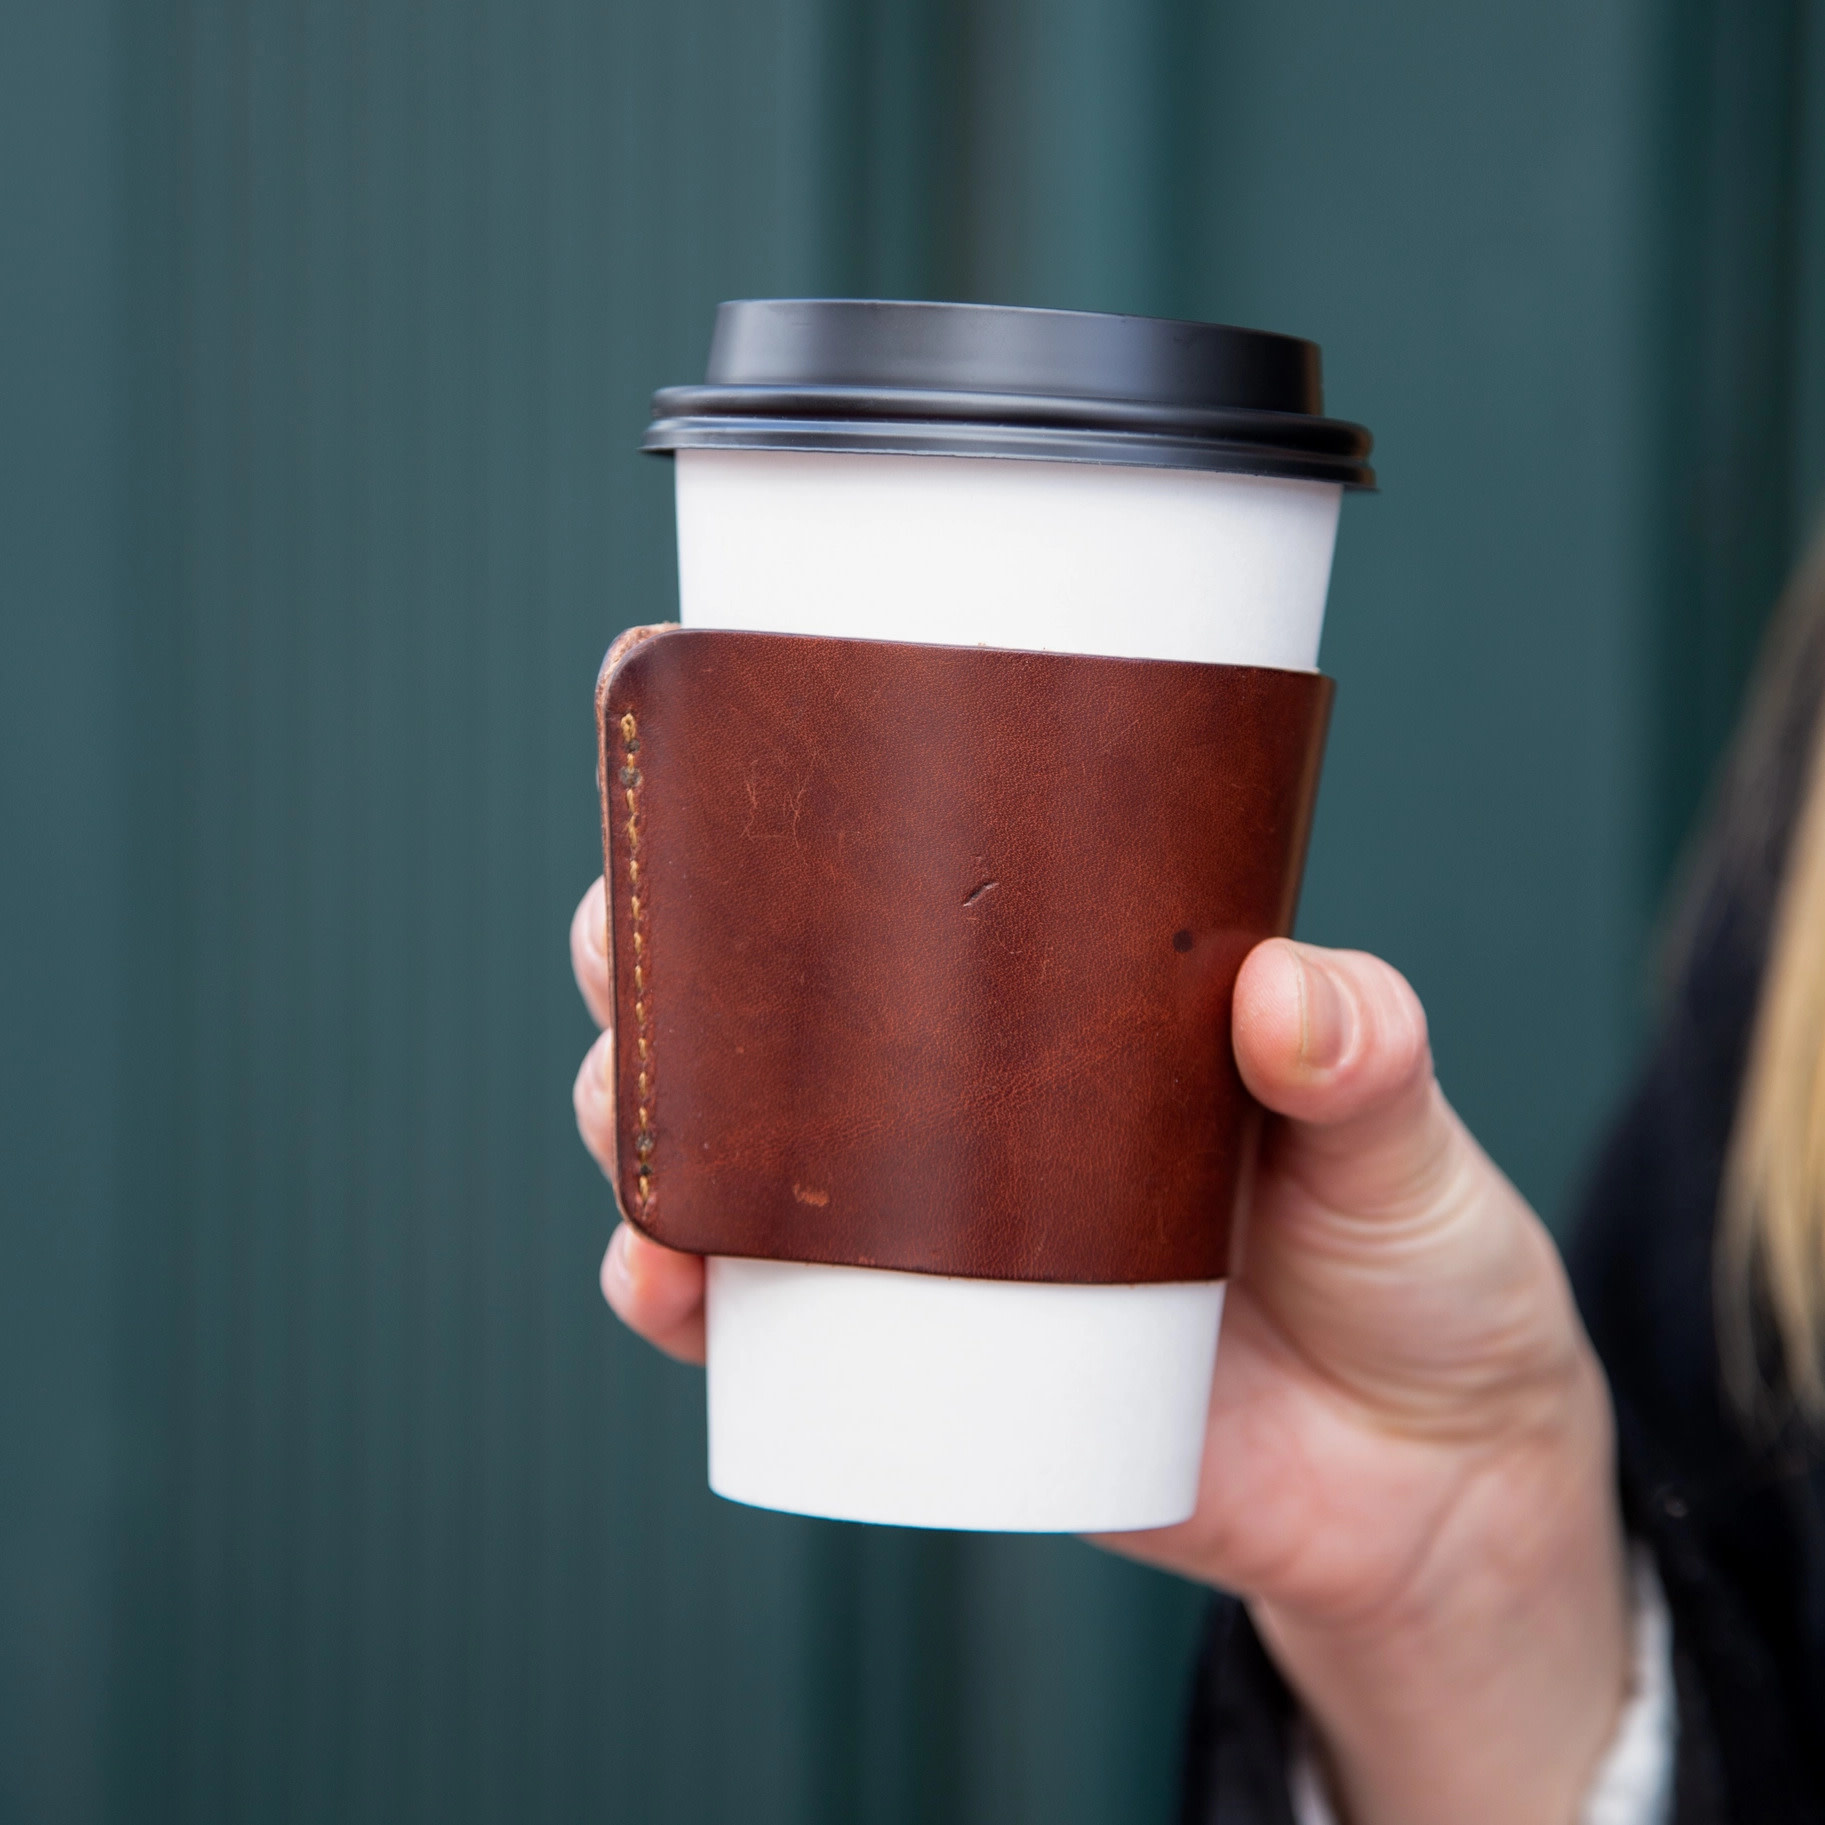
{"points": [[330, 1491], [61, 980]]}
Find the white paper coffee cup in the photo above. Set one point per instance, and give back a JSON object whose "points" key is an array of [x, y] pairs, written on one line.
{"points": [[923, 1400]]}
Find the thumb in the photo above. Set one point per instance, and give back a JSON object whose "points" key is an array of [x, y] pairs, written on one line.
{"points": [[1392, 1250], [1336, 1042]]}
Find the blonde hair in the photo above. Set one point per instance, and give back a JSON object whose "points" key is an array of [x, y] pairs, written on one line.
{"points": [[1770, 1260]]}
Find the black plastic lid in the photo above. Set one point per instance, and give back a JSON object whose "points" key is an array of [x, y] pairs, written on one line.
{"points": [[991, 380]]}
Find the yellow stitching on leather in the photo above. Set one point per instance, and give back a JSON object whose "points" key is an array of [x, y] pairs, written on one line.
{"points": [[631, 782]]}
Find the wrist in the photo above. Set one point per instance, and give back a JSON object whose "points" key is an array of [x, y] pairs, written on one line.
{"points": [[1487, 1684]]}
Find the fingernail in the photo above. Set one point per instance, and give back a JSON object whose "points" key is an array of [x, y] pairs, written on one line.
{"points": [[1326, 1017]]}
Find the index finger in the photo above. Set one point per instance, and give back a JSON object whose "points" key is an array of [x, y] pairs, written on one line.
{"points": [[589, 954]]}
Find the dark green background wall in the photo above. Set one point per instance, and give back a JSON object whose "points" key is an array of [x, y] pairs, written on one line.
{"points": [[328, 1490]]}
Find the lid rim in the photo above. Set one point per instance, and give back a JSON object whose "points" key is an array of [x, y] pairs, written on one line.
{"points": [[910, 404], [1031, 442]]}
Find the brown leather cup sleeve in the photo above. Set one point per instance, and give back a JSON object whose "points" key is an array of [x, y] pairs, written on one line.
{"points": [[924, 955]]}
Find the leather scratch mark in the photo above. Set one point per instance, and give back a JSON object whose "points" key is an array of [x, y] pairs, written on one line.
{"points": [[764, 823], [976, 892]]}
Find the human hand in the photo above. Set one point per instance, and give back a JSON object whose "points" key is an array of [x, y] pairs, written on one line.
{"points": [[1408, 1470]]}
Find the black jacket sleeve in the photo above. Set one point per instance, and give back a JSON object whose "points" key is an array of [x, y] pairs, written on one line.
{"points": [[1732, 1516], [1238, 1732]]}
